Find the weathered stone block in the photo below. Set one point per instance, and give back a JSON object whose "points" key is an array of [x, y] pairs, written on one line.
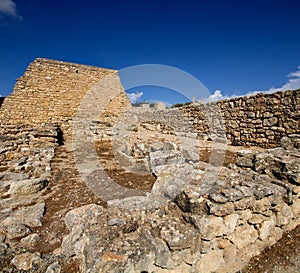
{"points": [[243, 236], [261, 205], [296, 207], [270, 121], [220, 209], [266, 228], [29, 186], [284, 214], [210, 262], [209, 227], [230, 222]]}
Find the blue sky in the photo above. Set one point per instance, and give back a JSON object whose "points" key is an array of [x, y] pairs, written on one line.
{"points": [[230, 45]]}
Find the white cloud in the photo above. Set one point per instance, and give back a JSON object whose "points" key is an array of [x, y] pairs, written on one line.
{"points": [[292, 83], [217, 95], [134, 97], [8, 7]]}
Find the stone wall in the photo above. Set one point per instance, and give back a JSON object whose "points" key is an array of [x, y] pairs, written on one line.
{"points": [[262, 119], [28, 149], [51, 91]]}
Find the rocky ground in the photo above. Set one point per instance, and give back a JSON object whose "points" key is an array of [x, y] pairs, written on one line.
{"points": [[283, 257], [51, 222]]}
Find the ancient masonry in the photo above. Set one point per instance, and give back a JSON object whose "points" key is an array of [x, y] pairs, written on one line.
{"points": [[261, 120], [50, 221], [51, 91]]}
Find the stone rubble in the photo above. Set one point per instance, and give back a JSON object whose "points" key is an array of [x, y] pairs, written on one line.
{"points": [[240, 214], [237, 215]]}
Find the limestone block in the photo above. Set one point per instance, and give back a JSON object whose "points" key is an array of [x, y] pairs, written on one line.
{"points": [[230, 222], [244, 203], [261, 205], [245, 158], [275, 236], [220, 209], [162, 254], [267, 114], [209, 227], [30, 216], [244, 216], [296, 207], [178, 237], [266, 228], [243, 236], [257, 219], [210, 262], [270, 121], [230, 252], [31, 239], [28, 186], [16, 230], [284, 214], [189, 256]]}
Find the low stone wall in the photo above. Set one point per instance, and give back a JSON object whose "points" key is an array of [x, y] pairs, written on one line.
{"points": [[261, 120], [27, 150]]}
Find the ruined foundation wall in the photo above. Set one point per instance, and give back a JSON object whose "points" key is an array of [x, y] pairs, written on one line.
{"points": [[27, 149]]}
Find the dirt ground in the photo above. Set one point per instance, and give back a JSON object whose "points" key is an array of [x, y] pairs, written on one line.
{"points": [[283, 257]]}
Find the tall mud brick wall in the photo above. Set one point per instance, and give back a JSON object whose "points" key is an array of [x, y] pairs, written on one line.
{"points": [[50, 92]]}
